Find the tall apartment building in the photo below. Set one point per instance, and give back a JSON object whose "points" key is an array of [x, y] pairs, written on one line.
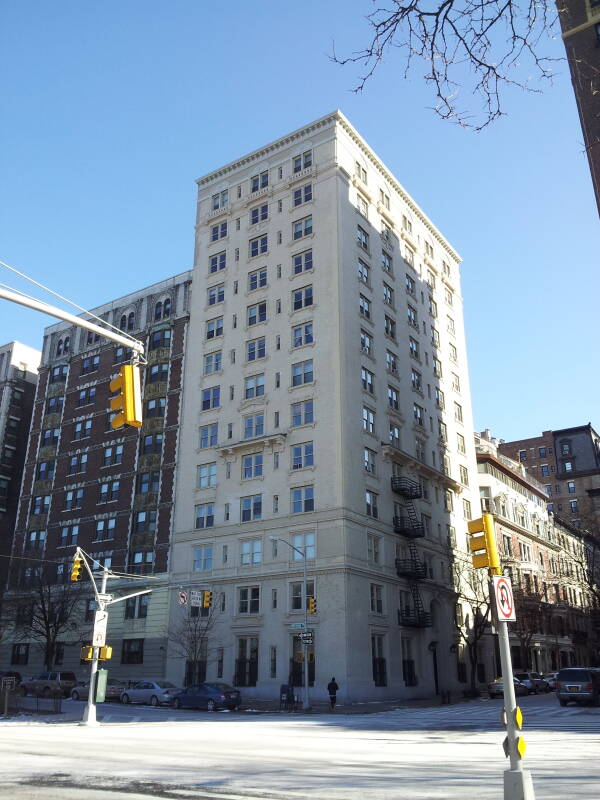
{"points": [[18, 377], [108, 491], [580, 23], [545, 558], [327, 408], [567, 463]]}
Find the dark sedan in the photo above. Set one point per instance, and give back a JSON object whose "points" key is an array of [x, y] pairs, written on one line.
{"points": [[211, 696]]}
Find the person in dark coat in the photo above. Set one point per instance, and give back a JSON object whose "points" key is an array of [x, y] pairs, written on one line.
{"points": [[332, 688]]}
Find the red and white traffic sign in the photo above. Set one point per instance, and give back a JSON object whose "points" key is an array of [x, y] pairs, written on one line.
{"points": [[505, 602], [182, 598]]}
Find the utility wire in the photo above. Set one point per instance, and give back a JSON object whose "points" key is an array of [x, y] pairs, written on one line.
{"points": [[56, 294]]}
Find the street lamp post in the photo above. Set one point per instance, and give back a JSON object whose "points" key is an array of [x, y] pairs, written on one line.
{"points": [[306, 702]]}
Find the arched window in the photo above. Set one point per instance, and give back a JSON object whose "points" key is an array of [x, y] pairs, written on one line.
{"points": [[131, 321], [67, 344], [123, 323], [167, 307], [59, 347], [158, 309]]}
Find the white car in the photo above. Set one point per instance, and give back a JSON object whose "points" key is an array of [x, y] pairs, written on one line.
{"points": [[154, 692]]}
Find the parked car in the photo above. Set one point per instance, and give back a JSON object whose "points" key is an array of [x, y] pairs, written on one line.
{"points": [[50, 683], [154, 692], [496, 688], [211, 696], [533, 681], [80, 692], [550, 678], [578, 685], [115, 688]]}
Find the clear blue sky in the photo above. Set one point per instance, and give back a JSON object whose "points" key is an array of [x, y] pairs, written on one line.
{"points": [[112, 109]]}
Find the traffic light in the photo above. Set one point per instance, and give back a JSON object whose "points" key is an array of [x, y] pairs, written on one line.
{"points": [[312, 605], [206, 599], [87, 653], [105, 653], [483, 547], [128, 401], [76, 568]]}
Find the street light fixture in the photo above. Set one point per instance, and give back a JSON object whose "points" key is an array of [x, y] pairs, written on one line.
{"points": [[306, 702]]}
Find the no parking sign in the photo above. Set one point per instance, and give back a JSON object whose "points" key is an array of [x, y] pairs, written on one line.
{"points": [[505, 602]]}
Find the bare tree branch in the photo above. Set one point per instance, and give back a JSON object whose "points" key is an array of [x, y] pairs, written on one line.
{"points": [[467, 47]]}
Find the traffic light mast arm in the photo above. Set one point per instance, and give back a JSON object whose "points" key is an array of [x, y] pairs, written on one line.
{"points": [[127, 596], [53, 311]]}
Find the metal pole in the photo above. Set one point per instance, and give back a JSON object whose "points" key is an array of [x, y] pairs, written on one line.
{"points": [[89, 715], [306, 703], [53, 311]]}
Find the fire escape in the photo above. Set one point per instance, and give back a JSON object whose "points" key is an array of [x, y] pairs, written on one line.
{"points": [[414, 568]]}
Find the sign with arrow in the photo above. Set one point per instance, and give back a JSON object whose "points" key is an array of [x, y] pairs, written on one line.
{"points": [[505, 602]]}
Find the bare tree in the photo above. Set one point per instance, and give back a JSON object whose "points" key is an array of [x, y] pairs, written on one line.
{"points": [[469, 47], [45, 614], [474, 598], [530, 611], [188, 639]]}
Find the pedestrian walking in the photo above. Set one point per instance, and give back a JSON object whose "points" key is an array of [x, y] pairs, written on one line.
{"points": [[332, 688]]}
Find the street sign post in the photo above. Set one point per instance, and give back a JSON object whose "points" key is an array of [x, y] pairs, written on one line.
{"points": [[196, 598], [100, 624]]}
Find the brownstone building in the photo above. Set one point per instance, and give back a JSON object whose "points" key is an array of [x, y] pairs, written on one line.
{"points": [[580, 22], [107, 491]]}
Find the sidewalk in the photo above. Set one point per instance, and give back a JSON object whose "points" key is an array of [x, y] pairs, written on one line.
{"points": [[363, 707]]}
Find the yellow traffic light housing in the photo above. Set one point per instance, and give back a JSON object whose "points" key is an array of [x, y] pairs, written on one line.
{"points": [[87, 653], [76, 568], [105, 653], [128, 401], [483, 546], [312, 605], [206, 599]]}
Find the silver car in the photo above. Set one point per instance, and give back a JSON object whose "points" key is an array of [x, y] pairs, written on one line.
{"points": [[154, 692], [533, 681], [496, 688]]}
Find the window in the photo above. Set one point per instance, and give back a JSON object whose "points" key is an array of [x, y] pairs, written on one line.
{"points": [[302, 413], [220, 200], [259, 213], [137, 607], [260, 181], [152, 444], [212, 362], [215, 294], [464, 477], [55, 405], [302, 455], [360, 172], [409, 256], [439, 399], [112, 455], [207, 475], [545, 470], [376, 598], [35, 540], [252, 466], [109, 491], [148, 482], [211, 398], [388, 294], [458, 412], [303, 161], [449, 298], [362, 238], [145, 521], [205, 515], [393, 398], [258, 246], [214, 327], [257, 279], [364, 307], [20, 654], [302, 262], [255, 349], [156, 407], [249, 600], [160, 338], [369, 460], [412, 317], [296, 591], [303, 194], [366, 343], [460, 441], [368, 420], [158, 373], [386, 262], [73, 499], [209, 435], [132, 651], [384, 199], [256, 313], [90, 364], [82, 429], [254, 386], [418, 414], [105, 528], [302, 334], [45, 470], [386, 233], [389, 327], [362, 205], [391, 362], [58, 374], [218, 231], [254, 425], [568, 466], [251, 508], [524, 551], [394, 435], [301, 298], [416, 380], [571, 487], [367, 380], [203, 558], [251, 552], [50, 437], [217, 262], [453, 353], [573, 506], [302, 499], [413, 346], [302, 227], [435, 337], [371, 504], [374, 548], [302, 373]]}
